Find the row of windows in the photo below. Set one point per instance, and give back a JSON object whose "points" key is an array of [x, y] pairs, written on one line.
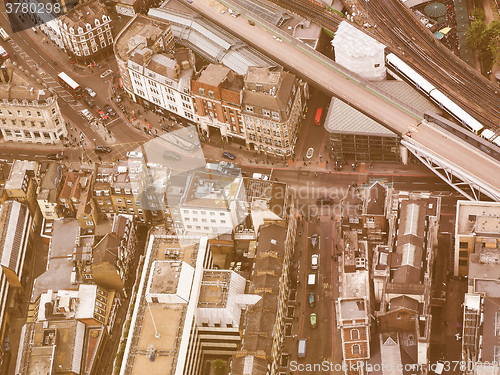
{"points": [[20, 133], [204, 213], [265, 112], [195, 220], [24, 123], [20, 113]]}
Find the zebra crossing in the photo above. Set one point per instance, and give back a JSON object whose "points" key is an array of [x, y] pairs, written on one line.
{"points": [[50, 82]]}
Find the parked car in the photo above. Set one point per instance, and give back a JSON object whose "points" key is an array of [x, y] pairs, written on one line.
{"points": [[324, 201], [260, 176], [110, 110], [313, 320], [101, 114], [228, 155], [165, 127], [314, 240], [171, 155], [134, 154], [87, 115], [118, 98], [89, 101], [105, 149], [315, 261], [312, 302], [302, 348], [54, 156], [90, 92]]}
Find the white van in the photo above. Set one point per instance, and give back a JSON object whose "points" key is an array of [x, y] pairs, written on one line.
{"points": [[311, 280], [302, 351]]}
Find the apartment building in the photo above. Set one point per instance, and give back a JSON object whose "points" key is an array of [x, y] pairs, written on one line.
{"points": [[272, 106], [22, 183], [47, 194], [75, 199], [153, 74], [476, 226], [375, 223], [353, 307], [101, 192], [66, 332], [85, 32], [405, 312], [209, 204], [28, 113], [15, 226], [217, 96]]}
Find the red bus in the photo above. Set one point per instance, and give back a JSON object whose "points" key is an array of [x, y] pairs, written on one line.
{"points": [[317, 119], [70, 85]]}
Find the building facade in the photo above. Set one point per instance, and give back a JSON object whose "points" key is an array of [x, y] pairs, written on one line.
{"points": [[29, 115], [272, 107], [86, 33]]}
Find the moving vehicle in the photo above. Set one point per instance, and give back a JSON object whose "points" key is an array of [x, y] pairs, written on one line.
{"points": [[302, 349], [90, 92], [110, 110], [134, 154], [228, 155], [311, 280], [315, 261], [87, 115], [464, 118], [311, 300], [310, 153], [106, 73], [5, 37], [4, 54], [171, 155], [105, 149], [69, 84], [314, 240], [319, 115], [313, 320]]}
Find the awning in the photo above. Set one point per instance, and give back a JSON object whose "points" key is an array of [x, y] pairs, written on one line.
{"points": [[445, 30], [439, 35]]}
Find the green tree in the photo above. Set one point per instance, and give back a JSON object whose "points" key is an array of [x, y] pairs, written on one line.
{"points": [[475, 34], [219, 366], [478, 14]]}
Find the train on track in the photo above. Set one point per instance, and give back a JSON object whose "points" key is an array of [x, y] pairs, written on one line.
{"points": [[441, 99]]}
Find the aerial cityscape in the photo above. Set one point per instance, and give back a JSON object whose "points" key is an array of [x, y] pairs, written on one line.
{"points": [[250, 187]]}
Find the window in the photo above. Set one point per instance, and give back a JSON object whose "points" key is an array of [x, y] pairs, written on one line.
{"points": [[464, 245], [89, 222], [223, 221], [463, 254], [202, 91], [354, 334], [249, 108], [355, 349], [462, 262], [210, 94], [266, 112]]}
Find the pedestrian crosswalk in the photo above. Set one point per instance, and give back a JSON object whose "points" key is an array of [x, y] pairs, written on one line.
{"points": [[49, 81]]}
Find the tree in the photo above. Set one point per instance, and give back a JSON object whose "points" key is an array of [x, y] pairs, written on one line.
{"points": [[219, 366], [475, 34], [478, 14]]}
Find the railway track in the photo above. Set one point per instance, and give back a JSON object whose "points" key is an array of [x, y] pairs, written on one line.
{"points": [[408, 39]]}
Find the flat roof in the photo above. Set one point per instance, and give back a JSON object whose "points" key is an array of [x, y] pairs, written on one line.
{"points": [[353, 308], [214, 289], [468, 211], [17, 173], [210, 190]]}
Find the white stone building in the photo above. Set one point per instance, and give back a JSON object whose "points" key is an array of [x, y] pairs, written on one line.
{"points": [[29, 114]]}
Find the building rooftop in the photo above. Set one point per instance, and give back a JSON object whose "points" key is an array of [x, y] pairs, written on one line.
{"points": [[341, 118], [14, 218], [353, 308], [18, 172], [355, 42], [83, 14], [161, 327], [375, 203], [214, 289], [24, 89], [469, 211], [211, 190], [60, 264], [491, 336], [210, 41]]}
